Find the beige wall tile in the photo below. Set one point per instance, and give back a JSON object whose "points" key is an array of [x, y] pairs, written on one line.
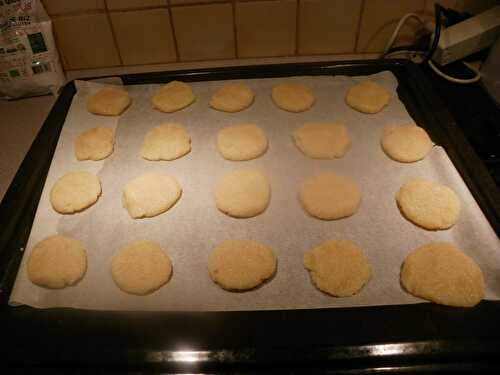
{"points": [[476, 6], [429, 7], [144, 36], [132, 4], [204, 32], [85, 41], [68, 6], [266, 28], [379, 20], [328, 26]]}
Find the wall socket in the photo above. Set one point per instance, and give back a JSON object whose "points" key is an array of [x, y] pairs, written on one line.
{"points": [[467, 37]]}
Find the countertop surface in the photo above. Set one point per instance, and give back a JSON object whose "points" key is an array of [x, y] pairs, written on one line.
{"points": [[20, 122]]}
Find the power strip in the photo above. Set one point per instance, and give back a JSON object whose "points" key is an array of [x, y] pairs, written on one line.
{"points": [[467, 37]]}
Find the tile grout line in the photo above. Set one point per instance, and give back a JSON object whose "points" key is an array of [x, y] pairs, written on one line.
{"points": [[126, 10], [89, 12], [297, 27], [358, 29], [235, 30], [311, 55], [253, 1], [201, 3], [113, 35], [174, 35], [63, 60]]}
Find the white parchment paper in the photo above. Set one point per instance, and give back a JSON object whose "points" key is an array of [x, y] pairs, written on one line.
{"points": [[193, 227]]}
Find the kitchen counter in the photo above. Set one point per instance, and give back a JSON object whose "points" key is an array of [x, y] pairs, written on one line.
{"points": [[21, 121]]}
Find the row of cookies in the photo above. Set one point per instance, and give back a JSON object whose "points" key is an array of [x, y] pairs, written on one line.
{"points": [[366, 97], [246, 193], [337, 267], [318, 140]]}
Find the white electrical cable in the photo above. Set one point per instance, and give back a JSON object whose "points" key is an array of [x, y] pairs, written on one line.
{"points": [[414, 56], [405, 52], [476, 78], [398, 27]]}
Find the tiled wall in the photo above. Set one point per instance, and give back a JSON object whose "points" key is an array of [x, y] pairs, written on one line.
{"points": [[106, 33]]}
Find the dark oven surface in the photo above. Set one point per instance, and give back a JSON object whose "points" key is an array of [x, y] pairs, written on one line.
{"points": [[422, 338]]}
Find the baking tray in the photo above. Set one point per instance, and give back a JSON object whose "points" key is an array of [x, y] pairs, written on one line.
{"points": [[422, 337]]}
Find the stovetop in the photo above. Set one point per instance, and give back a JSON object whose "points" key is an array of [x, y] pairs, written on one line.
{"points": [[477, 115]]}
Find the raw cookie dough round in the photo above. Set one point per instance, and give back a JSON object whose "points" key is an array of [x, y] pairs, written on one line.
{"points": [[74, 192], [242, 142], [292, 97], [428, 204], [57, 262], [338, 267], [94, 144], [406, 143], [320, 140], [367, 97], [108, 101], [141, 268], [441, 273], [166, 142], [173, 96], [150, 195], [233, 97], [243, 193], [241, 264], [329, 196]]}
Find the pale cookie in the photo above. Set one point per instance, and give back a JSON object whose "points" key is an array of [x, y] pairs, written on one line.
{"points": [[406, 143], [428, 204], [74, 192], [242, 142], [233, 97], [57, 262], [367, 97], [292, 97], [141, 268], [441, 273], [338, 267], [94, 144], [173, 97], [166, 142], [108, 101], [243, 193], [241, 264], [150, 195], [320, 140], [329, 196]]}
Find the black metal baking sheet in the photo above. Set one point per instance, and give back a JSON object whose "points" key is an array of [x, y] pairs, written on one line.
{"points": [[423, 337]]}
